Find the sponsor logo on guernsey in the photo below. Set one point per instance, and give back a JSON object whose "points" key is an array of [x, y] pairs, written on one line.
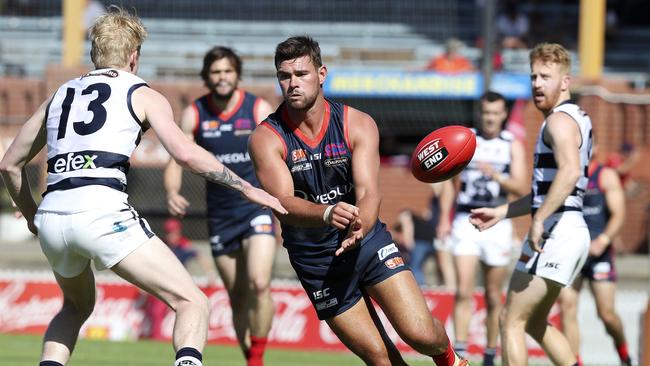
{"points": [[386, 251], [108, 73], [243, 126], [330, 163], [74, 161], [394, 262], [301, 167], [210, 125], [335, 149], [431, 155], [325, 198], [234, 158], [298, 155]]}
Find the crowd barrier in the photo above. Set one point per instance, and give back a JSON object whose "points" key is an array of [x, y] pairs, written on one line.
{"points": [[29, 301]]}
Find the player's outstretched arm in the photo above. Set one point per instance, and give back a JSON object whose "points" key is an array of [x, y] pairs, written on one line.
{"points": [[151, 106], [29, 141], [268, 153], [485, 217], [173, 175]]}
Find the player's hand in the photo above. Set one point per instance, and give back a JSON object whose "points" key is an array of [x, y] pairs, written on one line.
{"points": [[342, 215], [443, 229], [262, 198], [487, 169], [597, 247], [177, 204], [484, 218], [536, 236], [353, 239], [17, 213]]}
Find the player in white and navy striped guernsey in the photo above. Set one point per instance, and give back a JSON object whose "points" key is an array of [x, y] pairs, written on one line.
{"points": [[91, 126], [558, 240], [496, 174]]}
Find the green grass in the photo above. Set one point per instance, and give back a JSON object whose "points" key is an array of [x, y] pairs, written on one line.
{"points": [[24, 350]]}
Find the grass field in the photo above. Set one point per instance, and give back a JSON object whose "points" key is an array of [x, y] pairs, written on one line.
{"points": [[24, 350]]}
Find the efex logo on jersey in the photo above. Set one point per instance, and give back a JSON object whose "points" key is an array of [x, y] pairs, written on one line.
{"points": [[432, 154], [87, 159]]}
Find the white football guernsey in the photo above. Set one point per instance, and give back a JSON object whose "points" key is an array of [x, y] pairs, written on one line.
{"points": [[92, 131]]}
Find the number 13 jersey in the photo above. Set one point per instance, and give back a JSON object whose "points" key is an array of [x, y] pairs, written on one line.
{"points": [[92, 131]]}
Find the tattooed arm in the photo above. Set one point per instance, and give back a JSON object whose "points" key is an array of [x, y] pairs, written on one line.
{"points": [[151, 106]]}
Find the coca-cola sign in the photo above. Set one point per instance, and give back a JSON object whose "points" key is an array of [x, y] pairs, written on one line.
{"points": [[120, 314]]}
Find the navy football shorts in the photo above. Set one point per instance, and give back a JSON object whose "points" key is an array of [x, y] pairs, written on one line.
{"points": [[600, 268], [334, 284], [227, 233]]}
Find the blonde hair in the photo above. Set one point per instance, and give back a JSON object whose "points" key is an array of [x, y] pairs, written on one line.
{"points": [[554, 53], [114, 37]]}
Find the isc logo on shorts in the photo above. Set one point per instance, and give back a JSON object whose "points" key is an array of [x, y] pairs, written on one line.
{"points": [[386, 251]]}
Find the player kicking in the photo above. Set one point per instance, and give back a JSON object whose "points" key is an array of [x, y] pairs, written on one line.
{"points": [[91, 126]]}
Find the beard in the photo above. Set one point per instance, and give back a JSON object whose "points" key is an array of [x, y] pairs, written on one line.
{"points": [[304, 103], [219, 95]]}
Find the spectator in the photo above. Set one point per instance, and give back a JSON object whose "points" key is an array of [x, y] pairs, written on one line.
{"points": [[512, 26], [451, 61]]}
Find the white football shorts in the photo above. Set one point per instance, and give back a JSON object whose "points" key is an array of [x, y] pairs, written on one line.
{"points": [[565, 250], [105, 235], [493, 246]]}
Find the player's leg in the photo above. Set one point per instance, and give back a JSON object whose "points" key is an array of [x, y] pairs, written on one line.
{"points": [[232, 270], [466, 266], [401, 300], [445, 262], [260, 255], [568, 301], [604, 293], [360, 329], [153, 267], [76, 280], [527, 306], [494, 278], [63, 330], [417, 257]]}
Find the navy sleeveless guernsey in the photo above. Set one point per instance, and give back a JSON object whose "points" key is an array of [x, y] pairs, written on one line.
{"points": [[226, 136], [321, 169], [595, 208]]}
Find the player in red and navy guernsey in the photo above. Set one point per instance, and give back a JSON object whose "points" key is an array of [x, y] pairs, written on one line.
{"points": [[604, 212], [241, 233], [321, 159]]}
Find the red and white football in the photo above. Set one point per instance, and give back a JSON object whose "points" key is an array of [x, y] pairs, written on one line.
{"points": [[443, 153]]}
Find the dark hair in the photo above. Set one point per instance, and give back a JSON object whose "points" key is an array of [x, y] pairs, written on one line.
{"points": [[298, 46], [217, 53], [491, 97]]}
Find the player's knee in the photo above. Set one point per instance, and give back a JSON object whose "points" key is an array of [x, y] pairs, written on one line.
{"points": [[376, 355], [428, 342], [82, 309], [464, 294], [493, 298], [259, 286], [608, 316]]}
